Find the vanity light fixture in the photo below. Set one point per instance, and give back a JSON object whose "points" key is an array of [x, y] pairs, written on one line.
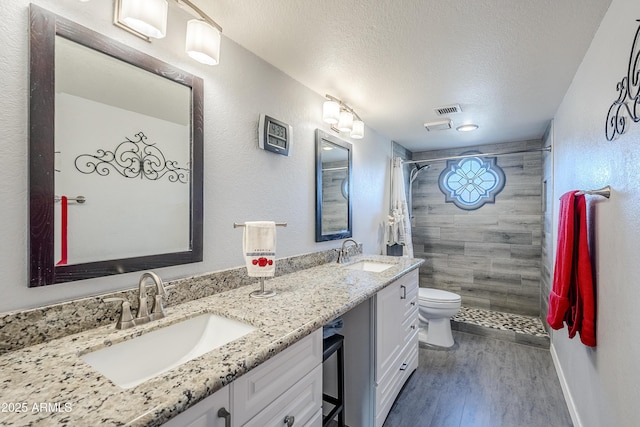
{"points": [[342, 118], [147, 19], [467, 128]]}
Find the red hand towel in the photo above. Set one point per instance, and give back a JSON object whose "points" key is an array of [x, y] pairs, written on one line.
{"points": [[559, 297], [572, 299], [584, 310], [64, 218]]}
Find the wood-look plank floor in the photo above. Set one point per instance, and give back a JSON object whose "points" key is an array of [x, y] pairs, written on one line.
{"points": [[481, 382]]}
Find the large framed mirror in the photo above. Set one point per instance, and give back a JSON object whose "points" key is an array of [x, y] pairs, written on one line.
{"points": [[115, 153], [333, 187]]}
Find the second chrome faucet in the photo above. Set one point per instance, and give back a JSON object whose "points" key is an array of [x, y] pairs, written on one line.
{"points": [[343, 255]]}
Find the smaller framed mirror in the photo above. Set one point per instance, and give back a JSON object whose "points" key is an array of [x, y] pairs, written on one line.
{"points": [[333, 188]]}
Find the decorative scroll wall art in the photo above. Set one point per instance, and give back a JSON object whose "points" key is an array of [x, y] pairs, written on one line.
{"points": [[628, 95], [471, 182], [133, 158]]}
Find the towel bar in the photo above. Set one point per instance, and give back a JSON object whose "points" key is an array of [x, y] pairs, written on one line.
{"points": [[278, 224], [79, 199], [604, 192]]}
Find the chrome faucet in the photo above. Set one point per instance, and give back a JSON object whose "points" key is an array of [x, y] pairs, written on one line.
{"points": [[343, 255], [157, 310], [143, 316]]}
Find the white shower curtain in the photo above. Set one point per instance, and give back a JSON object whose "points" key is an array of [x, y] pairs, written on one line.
{"points": [[400, 217]]}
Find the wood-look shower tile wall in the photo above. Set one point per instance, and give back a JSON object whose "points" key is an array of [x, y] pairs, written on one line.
{"points": [[490, 256]]}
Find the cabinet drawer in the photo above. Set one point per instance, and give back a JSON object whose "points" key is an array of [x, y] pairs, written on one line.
{"points": [[411, 302], [410, 327], [389, 388], [409, 282], [410, 342], [409, 289], [255, 390], [302, 402]]}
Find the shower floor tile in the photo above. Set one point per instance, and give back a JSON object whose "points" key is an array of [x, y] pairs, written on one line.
{"points": [[505, 326]]}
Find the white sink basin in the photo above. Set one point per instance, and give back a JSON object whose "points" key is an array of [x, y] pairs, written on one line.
{"points": [[137, 360], [375, 267]]}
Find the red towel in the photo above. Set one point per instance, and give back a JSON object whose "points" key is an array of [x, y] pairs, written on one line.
{"points": [[559, 297], [572, 298], [64, 218]]}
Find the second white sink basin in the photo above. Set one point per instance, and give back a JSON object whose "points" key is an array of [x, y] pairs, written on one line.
{"points": [[137, 360], [375, 267]]}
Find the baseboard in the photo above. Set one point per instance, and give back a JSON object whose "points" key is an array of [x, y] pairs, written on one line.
{"points": [[573, 412]]}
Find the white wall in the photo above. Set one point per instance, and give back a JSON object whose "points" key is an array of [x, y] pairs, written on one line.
{"points": [[242, 182], [604, 382], [83, 127]]}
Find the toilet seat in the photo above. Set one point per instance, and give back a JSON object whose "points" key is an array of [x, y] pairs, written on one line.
{"points": [[437, 296]]}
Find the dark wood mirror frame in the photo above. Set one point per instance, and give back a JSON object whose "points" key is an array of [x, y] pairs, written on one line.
{"points": [[44, 27], [320, 137]]}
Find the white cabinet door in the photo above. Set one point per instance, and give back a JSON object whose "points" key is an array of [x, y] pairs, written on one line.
{"points": [[206, 413], [389, 337], [396, 338]]}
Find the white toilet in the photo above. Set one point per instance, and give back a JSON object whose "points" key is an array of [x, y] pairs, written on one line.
{"points": [[436, 308]]}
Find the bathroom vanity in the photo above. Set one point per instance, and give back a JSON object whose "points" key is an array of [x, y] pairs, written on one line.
{"points": [[270, 376], [381, 350], [289, 386]]}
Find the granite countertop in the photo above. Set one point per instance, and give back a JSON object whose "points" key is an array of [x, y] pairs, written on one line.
{"points": [[48, 384]]}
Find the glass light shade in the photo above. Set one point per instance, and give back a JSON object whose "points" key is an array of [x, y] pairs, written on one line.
{"points": [[203, 42], [345, 124], [148, 17], [331, 112], [358, 129]]}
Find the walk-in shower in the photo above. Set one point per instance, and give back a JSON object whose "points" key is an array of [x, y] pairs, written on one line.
{"points": [[489, 256]]}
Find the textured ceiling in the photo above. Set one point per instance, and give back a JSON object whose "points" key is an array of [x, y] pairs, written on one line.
{"points": [[508, 63]]}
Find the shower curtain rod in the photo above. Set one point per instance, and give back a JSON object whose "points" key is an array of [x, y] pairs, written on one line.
{"points": [[411, 162]]}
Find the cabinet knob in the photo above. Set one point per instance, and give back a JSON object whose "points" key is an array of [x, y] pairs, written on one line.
{"points": [[413, 303], [404, 367], [223, 413], [289, 420]]}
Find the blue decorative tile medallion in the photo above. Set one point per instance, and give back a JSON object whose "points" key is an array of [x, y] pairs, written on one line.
{"points": [[471, 182]]}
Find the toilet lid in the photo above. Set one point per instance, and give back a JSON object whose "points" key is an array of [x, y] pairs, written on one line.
{"points": [[437, 295]]}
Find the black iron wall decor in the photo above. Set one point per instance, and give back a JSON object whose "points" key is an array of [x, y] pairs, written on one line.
{"points": [[133, 158], [628, 95]]}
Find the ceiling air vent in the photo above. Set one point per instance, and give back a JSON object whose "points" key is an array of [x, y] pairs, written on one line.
{"points": [[438, 125], [448, 109]]}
